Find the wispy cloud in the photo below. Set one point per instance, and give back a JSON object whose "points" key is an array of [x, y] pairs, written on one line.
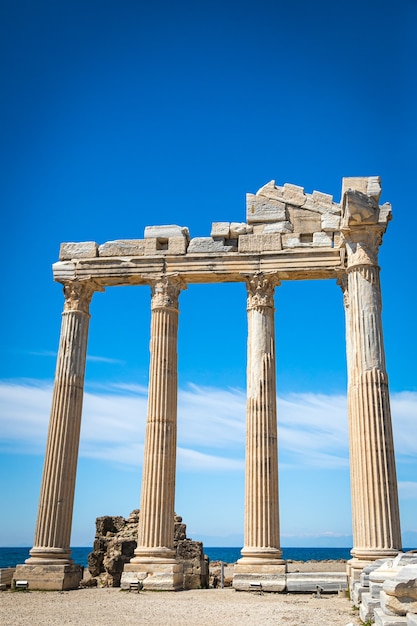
{"points": [[313, 429], [90, 357]]}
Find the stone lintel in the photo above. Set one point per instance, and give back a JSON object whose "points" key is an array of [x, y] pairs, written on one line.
{"points": [[49, 577], [291, 264]]}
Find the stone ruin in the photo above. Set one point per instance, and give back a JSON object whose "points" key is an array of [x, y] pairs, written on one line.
{"points": [[288, 235], [116, 540]]}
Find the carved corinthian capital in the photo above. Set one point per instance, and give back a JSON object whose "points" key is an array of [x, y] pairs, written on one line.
{"points": [[78, 295], [165, 292], [261, 290]]}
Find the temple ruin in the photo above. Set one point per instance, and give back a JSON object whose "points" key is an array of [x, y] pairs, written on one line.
{"points": [[288, 235]]}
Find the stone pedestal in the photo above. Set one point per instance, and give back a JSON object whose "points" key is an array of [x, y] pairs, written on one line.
{"points": [[154, 559], [261, 555], [49, 565], [375, 511]]}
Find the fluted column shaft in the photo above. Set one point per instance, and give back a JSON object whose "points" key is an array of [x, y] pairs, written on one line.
{"points": [[375, 510], [261, 538], [156, 523], [53, 527]]}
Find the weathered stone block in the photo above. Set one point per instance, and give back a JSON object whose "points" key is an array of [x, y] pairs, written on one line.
{"points": [[388, 620], [220, 229], [261, 209], [327, 582], [291, 241], [367, 607], [324, 201], [162, 246], [270, 190], [393, 605], [303, 221], [322, 239], [207, 244], [82, 250], [293, 194], [167, 231], [358, 183], [122, 247], [330, 221], [404, 584], [239, 228], [260, 243], [278, 227]]}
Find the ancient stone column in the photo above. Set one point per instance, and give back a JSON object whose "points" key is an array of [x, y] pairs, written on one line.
{"points": [[49, 565], [375, 510], [155, 555], [261, 555]]}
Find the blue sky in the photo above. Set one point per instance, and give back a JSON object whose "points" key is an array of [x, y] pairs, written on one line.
{"points": [[119, 115]]}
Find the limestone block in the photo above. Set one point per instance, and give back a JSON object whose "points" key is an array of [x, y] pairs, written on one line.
{"points": [[270, 190], [388, 620], [404, 584], [392, 605], [82, 250], [322, 240], [357, 183], [293, 194], [278, 227], [330, 221], [220, 230], [328, 582], [207, 244], [322, 200], [262, 209], [258, 229], [161, 246], [367, 607], [411, 619], [122, 247], [389, 569], [269, 582], [165, 232], [260, 243], [291, 241], [374, 187], [304, 221], [357, 592], [177, 245], [239, 228]]}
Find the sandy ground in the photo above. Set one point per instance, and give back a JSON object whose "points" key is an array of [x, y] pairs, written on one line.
{"points": [[223, 607]]}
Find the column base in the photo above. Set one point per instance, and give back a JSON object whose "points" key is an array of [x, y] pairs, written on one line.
{"points": [[260, 571], [44, 577], [153, 575]]}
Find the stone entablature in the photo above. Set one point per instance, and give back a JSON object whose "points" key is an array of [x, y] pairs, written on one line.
{"points": [[286, 230]]}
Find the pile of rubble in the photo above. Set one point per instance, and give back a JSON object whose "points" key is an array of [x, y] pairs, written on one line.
{"points": [[115, 542], [387, 591]]}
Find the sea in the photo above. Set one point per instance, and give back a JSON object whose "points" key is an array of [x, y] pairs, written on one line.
{"points": [[9, 557]]}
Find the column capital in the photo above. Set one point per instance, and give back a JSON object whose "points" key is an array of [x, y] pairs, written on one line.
{"points": [[78, 295], [261, 288], [165, 291]]}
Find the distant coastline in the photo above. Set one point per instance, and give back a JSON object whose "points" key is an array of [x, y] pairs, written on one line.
{"points": [[9, 557]]}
